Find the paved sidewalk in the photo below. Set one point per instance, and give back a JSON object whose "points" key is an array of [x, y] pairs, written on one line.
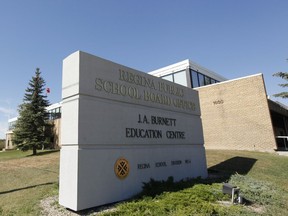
{"points": [[282, 153]]}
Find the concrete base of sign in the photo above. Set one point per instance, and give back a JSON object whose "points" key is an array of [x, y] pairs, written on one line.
{"points": [[88, 178], [121, 127]]}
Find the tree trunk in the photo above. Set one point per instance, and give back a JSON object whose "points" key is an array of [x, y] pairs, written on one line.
{"points": [[34, 150]]}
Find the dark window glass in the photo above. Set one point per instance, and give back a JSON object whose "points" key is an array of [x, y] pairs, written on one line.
{"points": [[213, 81], [201, 79], [207, 80], [194, 76]]}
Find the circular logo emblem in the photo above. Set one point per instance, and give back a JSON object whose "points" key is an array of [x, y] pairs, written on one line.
{"points": [[121, 168]]}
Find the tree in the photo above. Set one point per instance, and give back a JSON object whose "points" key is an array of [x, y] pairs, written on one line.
{"points": [[2, 144], [29, 132], [283, 75]]}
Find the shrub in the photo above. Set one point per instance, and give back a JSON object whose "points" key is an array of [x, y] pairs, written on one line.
{"points": [[154, 188], [256, 191], [2, 144], [198, 199]]}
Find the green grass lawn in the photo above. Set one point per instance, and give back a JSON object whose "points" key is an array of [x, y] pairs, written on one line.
{"points": [[263, 178], [25, 180], [7, 155]]}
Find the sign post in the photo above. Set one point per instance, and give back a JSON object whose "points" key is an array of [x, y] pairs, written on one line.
{"points": [[120, 127]]}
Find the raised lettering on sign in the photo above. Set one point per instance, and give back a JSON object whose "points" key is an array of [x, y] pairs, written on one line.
{"points": [[161, 164], [143, 119], [176, 162], [175, 134], [142, 133], [218, 102], [143, 166]]}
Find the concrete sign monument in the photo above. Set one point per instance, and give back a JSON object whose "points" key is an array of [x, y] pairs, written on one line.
{"points": [[121, 127]]}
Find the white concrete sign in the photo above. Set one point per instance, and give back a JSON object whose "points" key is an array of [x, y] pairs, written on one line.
{"points": [[120, 127]]}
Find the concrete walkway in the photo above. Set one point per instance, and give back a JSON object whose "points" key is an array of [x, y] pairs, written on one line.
{"points": [[282, 153]]}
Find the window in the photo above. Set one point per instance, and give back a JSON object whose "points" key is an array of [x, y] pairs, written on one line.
{"points": [[207, 80], [55, 113], [195, 82], [197, 78], [168, 77], [180, 78], [201, 79]]}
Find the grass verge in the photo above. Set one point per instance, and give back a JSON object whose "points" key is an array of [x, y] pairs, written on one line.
{"points": [[262, 177], [25, 180]]}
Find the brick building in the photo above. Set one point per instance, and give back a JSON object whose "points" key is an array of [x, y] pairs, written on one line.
{"points": [[236, 114]]}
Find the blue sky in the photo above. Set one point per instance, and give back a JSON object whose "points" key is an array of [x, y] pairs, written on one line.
{"points": [[231, 37]]}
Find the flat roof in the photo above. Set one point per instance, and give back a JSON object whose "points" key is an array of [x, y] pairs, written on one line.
{"points": [[231, 80]]}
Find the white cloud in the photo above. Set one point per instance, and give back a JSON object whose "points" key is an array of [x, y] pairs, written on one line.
{"points": [[6, 111]]}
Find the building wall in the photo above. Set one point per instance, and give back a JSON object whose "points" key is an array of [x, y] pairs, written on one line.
{"points": [[235, 115], [8, 141], [57, 133]]}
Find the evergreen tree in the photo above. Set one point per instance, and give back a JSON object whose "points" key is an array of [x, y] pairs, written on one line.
{"points": [[29, 132], [283, 75]]}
